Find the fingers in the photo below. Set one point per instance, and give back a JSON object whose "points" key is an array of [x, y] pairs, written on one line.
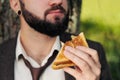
{"points": [[78, 61], [93, 53], [87, 54], [84, 58]]}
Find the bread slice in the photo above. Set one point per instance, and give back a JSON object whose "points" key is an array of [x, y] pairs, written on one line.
{"points": [[61, 61]]}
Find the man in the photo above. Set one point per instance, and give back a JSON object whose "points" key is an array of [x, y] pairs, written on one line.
{"points": [[42, 28]]}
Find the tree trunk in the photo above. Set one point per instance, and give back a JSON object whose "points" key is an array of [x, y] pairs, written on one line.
{"points": [[74, 22]]}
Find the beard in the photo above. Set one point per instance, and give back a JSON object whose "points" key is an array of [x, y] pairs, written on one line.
{"points": [[44, 26]]}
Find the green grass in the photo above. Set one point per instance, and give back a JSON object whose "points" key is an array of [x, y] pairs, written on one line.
{"points": [[100, 20]]}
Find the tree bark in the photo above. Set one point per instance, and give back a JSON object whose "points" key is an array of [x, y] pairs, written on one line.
{"points": [[74, 22]]}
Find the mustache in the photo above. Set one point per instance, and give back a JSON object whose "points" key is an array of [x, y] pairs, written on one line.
{"points": [[57, 7]]}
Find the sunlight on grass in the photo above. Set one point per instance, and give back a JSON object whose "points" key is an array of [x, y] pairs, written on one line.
{"points": [[106, 10]]}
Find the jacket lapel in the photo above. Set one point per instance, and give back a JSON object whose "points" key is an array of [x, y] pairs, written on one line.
{"points": [[10, 69], [7, 68], [68, 77]]}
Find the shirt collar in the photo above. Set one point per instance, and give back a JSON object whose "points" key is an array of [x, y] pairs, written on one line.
{"points": [[19, 48], [56, 46]]}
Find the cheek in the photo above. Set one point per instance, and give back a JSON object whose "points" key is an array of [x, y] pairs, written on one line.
{"points": [[65, 5], [38, 8]]}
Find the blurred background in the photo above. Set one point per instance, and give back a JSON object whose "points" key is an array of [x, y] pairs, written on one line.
{"points": [[98, 19]]}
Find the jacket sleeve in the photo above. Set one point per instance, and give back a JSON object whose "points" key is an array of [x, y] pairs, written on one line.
{"points": [[105, 71]]}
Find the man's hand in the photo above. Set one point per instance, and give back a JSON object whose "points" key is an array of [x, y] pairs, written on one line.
{"points": [[87, 63]]}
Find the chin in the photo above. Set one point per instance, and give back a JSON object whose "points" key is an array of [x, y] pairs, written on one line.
{"points": [[55, 19]]}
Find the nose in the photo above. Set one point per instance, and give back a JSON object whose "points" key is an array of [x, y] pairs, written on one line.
{"points": [[55, 2]]}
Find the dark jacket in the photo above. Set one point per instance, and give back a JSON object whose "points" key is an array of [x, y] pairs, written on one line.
{"points": [[7, 58]]}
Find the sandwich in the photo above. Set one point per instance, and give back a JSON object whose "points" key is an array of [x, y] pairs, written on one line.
{"points": [[61, 61]]}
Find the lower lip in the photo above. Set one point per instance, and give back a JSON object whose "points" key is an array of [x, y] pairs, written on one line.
{"points": [[57, 11]]}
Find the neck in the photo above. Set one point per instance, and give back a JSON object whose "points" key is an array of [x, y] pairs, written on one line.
{"points": [[36, 45]]}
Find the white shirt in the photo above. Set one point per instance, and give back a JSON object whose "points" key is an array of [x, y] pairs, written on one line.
{"points": [[22, 72]]}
